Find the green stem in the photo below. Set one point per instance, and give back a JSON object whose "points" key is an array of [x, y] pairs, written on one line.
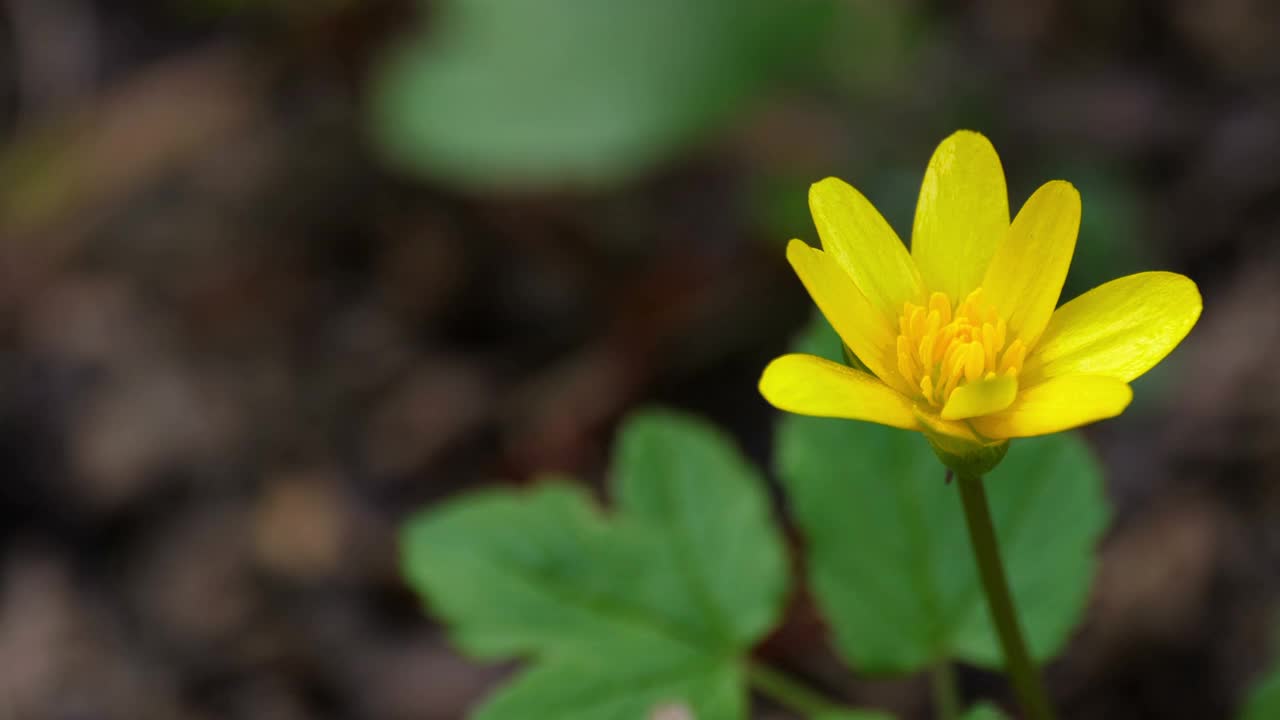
{"points": [[788, 692], [946, 699], [982, 535]]}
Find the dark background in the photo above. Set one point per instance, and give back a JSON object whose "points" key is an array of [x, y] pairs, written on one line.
{"points": [[241, 338]]}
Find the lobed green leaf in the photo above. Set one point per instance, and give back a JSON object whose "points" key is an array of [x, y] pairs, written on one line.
{"points": [[688, 483], [620, 615]]}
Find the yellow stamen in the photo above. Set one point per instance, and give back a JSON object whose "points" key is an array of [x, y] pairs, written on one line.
{"points": [[973, 362], [906, 365], [1013, 357], [938, 302], [989, 344], [932, 323], [916, 325], [926, 348], [942, 345]]}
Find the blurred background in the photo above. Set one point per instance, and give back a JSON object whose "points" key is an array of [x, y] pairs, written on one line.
{"points": [[276, 273]]}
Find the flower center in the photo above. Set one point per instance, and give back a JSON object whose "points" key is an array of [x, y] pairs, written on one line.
{"points": [[942, 346]]}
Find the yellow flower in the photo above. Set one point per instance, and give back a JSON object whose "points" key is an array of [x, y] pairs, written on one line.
{"points": [[959, 336]]}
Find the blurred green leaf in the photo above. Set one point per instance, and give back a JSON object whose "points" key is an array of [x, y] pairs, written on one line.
{"points": [[1264, 699], [888, 555], [854, 715], [622, 614], [984, 711], [566, 91]]}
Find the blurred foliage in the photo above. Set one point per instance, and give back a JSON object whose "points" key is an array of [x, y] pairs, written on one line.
{"points": [[1264, 700], [672, 590], [780, 208], [576, 91], [853, 715], [984, 711], [889, 560], [1110, 242], [879, 46]]}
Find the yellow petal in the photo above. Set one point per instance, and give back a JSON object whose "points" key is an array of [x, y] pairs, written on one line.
{"points": [[962, 214], [1026, 274], [1055, 405], [981, 398], [859, 325], [810, 385], [1120, 329], [857, 236]]}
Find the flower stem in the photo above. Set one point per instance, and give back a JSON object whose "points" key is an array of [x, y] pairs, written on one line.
{"points": [[946, 699], [1022, 671], [789, 692]]}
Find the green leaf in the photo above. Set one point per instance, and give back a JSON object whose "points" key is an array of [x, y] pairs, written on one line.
{"points": [[555, 91], [984, 711], [1264, 699], [690, 485], [854, 715], [582, 691], [529, 573], [620, 615], [888, 554]]}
